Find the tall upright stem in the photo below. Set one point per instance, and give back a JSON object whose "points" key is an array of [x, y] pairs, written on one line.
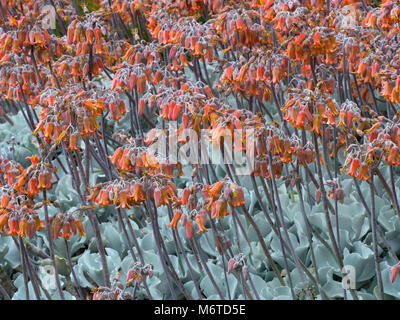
{"points": [[51, 245], [374, 238]]}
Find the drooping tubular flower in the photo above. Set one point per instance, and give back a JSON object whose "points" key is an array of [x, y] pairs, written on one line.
{"points": [[235, 196], [13, 227], [364, 172], [22, 227], [200, 224], [174, 222], [189, 229], [4, 200], [394, 272], [138, 194], [65, 225], [79, 226], [32, 187], [342, 117], [355, 164], [103, 198], [393, 157], [123, 199], [185, 196], [44, 180], [219, 209], [163, 195], [72, 142], [216, 189], [66, 228], [3, 220]]}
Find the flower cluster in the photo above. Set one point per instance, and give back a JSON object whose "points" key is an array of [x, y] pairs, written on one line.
{"points": [[35, 178], [65, 226], [18, 220], [116, 291], [132, 192], [137, 272]]}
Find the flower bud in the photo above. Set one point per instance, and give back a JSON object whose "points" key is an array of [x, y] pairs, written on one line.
{"points": [[157, 197], [185, 196], [31, 228], [183, 219], [317, 196], [395, 270], [231, 263], [189, 229], [340, 195], [245, 271]]}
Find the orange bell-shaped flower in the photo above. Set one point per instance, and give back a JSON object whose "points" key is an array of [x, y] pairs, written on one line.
{"points": [[216, 189], [200, 224], [13, 228], [363, 175], [66, 230], [355, 164], [342, 117], [103, 199], [219, 209], [3, 221], [237, 196], [22, 227], [189, 229], [174, 222], [80, 228], [32, 187]]}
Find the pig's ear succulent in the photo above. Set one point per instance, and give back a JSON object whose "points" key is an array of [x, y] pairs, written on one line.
{"points": [[198, 150]]}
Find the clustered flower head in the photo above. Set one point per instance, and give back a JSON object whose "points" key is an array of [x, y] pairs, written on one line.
{"points": [[66, 225], [137, 272], [35, 178], [132, 192], [200, 202], [18, 220], [238, 263], [115, 292], [138, 159]]}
